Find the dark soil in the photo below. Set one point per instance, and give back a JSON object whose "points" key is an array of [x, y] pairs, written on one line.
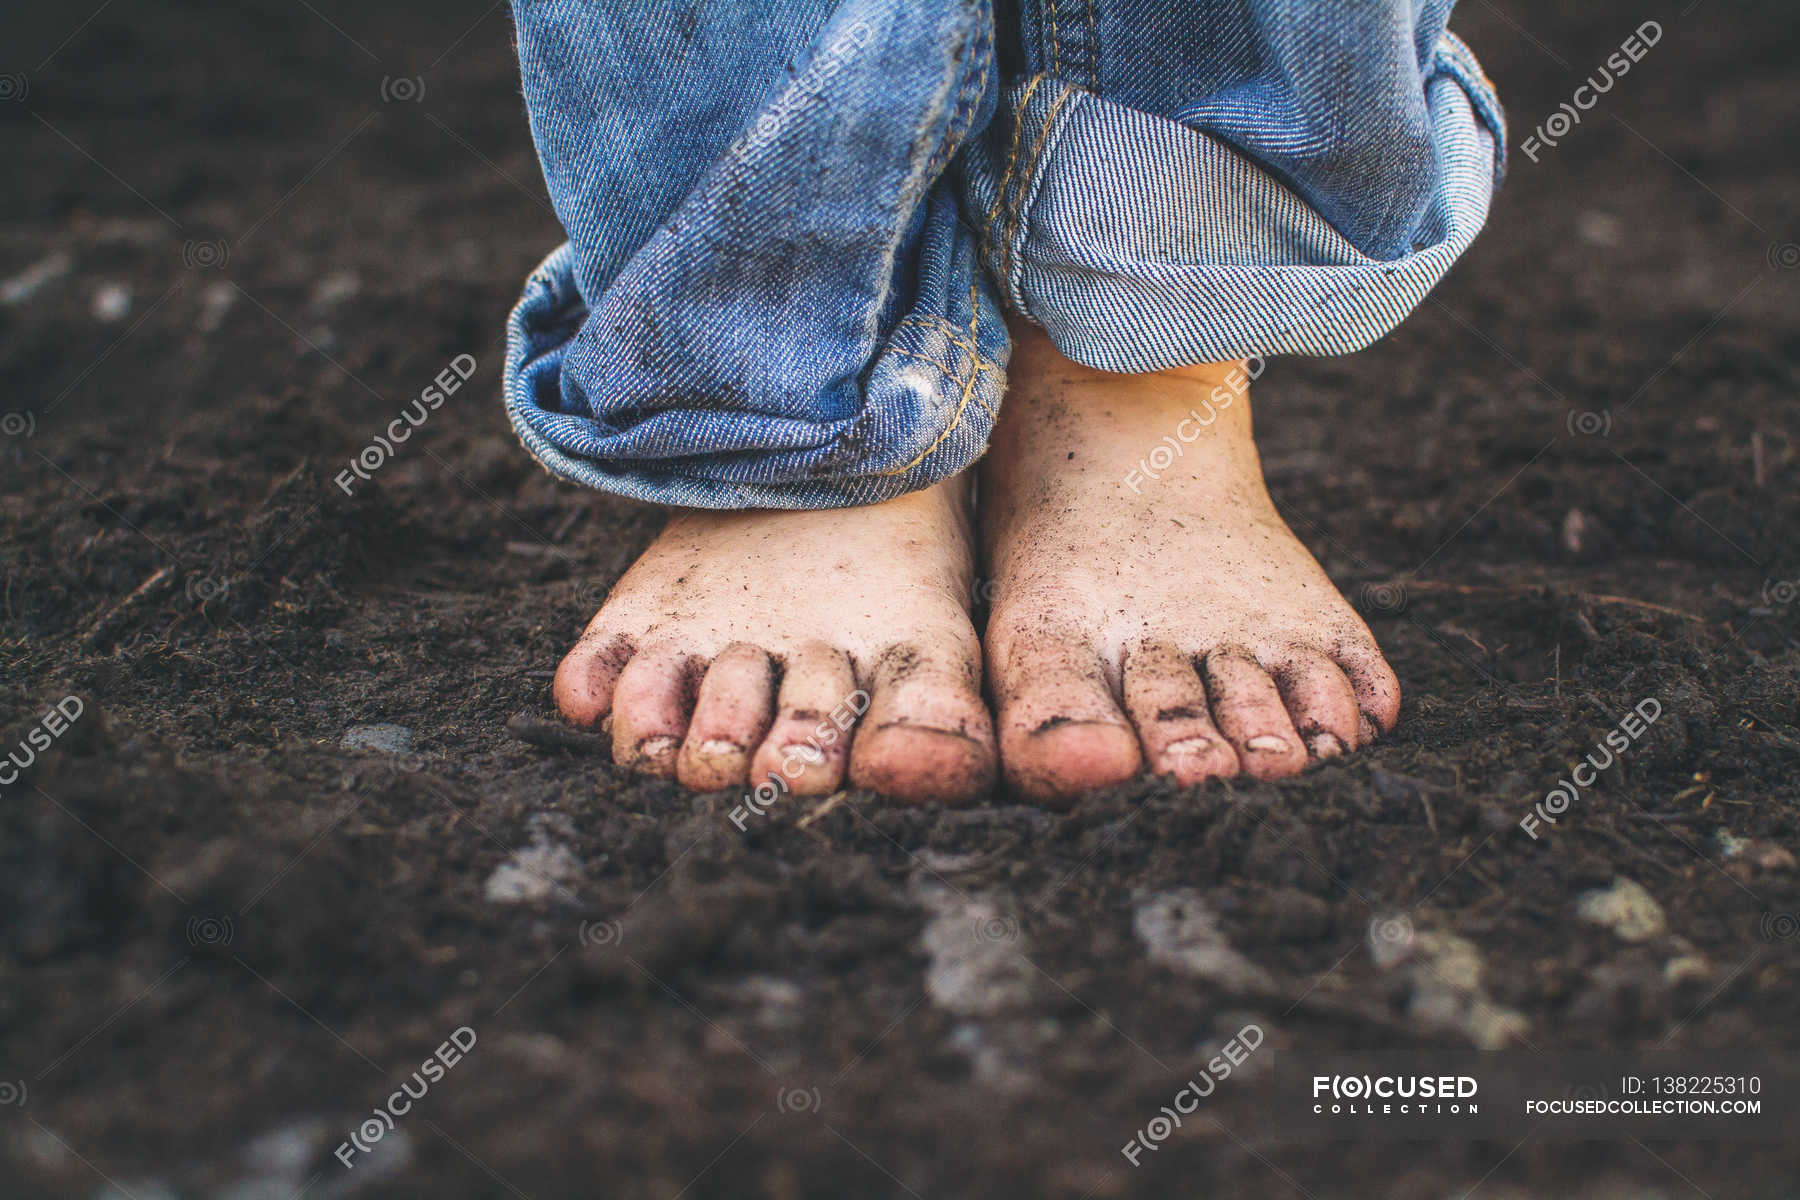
{"points": [[1570, 482]]}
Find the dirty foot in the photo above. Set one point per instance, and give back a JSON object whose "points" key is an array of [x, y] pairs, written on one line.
{"points": [[1171, 624], [804, 647]]}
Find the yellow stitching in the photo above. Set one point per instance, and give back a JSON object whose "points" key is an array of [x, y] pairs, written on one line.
{"points": [[947, 375], [1012, 225], [968, 391], [980, 84], [979, 369], [948, 372], [950, 334], [1013, 156], [1055, 61]]}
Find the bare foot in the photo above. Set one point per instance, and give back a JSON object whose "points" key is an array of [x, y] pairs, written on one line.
{"points": [[733, 648], [1171, 623]]}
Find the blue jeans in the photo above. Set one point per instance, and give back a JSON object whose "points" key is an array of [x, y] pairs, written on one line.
{"points": [[794, 225]]}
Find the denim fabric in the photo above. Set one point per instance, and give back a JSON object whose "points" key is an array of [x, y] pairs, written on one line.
{"points": [[793, 223]]}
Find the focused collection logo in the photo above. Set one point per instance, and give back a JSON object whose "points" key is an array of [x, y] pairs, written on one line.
{"points": [[1395, 1095]]}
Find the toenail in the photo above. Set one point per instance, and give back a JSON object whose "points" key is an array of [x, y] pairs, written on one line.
{"points": [[1267, 743], [1325, 745], [806, 752], [1189, 748], [657, 747], [719, 746]]}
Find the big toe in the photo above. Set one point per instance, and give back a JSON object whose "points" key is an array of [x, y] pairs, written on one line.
{"points": [[927, 736], [1061, 731]]}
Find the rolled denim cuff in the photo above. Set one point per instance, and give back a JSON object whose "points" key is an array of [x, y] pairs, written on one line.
{"points": [[767, 299], [1140, 243], [929, 402]]}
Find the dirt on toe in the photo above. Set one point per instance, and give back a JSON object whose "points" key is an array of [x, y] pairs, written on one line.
{"points": [[306, 817]]}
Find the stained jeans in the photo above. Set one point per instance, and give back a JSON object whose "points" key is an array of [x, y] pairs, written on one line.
{"points": [[794, 225]]}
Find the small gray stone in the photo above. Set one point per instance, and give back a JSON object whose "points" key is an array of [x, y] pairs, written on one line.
{"points": [[1625, 908], [112, 302], [976, 945], [388, 739], [534, 873], [1181, 931]]}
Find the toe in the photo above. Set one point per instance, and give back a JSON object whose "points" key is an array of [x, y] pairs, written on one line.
{"points": [[1376, 687], [815, 717], [927, 736], [650, 711], [1165, 700], [1319, 701], [587, 675], [1061, 731], [1247, 707], [731, 714]]}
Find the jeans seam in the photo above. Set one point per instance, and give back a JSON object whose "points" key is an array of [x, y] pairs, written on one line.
{"points": [[1012, 159], [1093, 50], [964, 114], [1009, 259]]}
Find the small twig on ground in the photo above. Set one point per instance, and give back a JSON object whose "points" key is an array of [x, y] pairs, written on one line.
{"points": [[556, 737], [159, 580], [831, 802]]}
